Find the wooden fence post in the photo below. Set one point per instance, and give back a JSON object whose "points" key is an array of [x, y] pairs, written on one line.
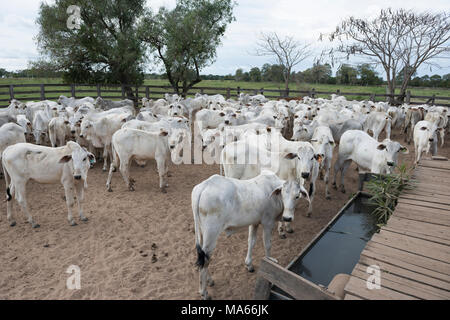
{"points": [[147, 92], [42, 92], [98, 91], [408, 96], [255, 92], [11, 91], [72, 90], [287, 93], [123, 92], [137, 96], [372, 97], [312, 93], [261, 91], [338, 92], [238, 91], [228, 93], [433, 99]]}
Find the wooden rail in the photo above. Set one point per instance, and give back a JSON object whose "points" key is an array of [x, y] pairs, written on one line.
{"points": [[52, 91]]}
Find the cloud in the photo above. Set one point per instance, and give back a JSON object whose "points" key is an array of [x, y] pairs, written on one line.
{"points": [[305, 20]]}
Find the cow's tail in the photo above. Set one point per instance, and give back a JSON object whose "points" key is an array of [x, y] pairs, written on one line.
{"points": [[8, 186], [202, 257]]}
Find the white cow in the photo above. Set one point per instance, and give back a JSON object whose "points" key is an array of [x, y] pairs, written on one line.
{"points": [[376, 122], [59, 131], [425, 135], [225, 204], [323, 144], [10, 134], [129, 144], [68, 165], [367, 153]]}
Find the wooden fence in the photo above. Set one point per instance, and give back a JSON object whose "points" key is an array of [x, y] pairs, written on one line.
{"points": [[32, 92]]}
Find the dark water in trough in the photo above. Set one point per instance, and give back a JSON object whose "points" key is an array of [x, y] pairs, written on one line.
{"points": [[339, 248]]}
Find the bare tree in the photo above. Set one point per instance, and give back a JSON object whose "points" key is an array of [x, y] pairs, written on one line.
{"points": [[288, 52], [400, 40]]}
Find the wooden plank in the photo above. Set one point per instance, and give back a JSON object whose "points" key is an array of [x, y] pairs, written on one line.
{"points": [[437, 200], [424, 204], [403, 285], [358, 288], [291, 283], [426, 193], [349, 296], [409, 261], [418, 227], [421, 247], [418, 235], [422, 215]]}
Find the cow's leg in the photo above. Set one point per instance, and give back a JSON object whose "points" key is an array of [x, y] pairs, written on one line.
{"points": [[70, 201], [21, 197], [327, 178], [112, 168], [344, 168], [79, 187], [124, 170], [162, 172], [209, 243], [434, 147], [281, 230], [312, 192], [10, 206], [252, 232], [337, 167], [105, 158], [387, 128], [267, 239]]}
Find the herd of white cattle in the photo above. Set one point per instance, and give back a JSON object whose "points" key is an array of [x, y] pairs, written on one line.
{"points": [[290, 143]]}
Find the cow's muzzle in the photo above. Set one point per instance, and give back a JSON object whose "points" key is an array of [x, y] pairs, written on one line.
{"points": [[390, 164], [287, 219], [305, 175], [77, 177], [431, 140]]}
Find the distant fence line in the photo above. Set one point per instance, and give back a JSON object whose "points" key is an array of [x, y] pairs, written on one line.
{"points": [[53, 91]]}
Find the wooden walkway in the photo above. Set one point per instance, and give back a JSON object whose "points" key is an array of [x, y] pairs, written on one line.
{"points": [[413, 249]]}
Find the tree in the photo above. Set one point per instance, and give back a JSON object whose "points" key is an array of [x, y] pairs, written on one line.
{"points": [[319, 73], [105, 49], [396, 39], [3, 73], [346, 74], [367, 75], [287, 51], [255, 75], [184, 40]]}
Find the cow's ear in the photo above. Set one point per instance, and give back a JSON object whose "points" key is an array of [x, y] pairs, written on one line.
{"points": [[423, 128], [276, 192], [222, 114], [318, 157], [404, 150], [163, 133], [381, 147], [290, 156], [65, 159], [66, 122], [269, 129], [91, 157], [124, 120]]}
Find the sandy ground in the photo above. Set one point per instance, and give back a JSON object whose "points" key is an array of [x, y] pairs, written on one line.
{"points": [[140, 245]]}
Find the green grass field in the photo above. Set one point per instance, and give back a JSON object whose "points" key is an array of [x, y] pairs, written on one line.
{"points": [[23, 92]]}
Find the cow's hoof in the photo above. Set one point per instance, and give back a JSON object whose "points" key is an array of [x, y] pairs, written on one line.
{"points": [[109, 189], [308, 214], [84, 219], [104, 169], [250, 269], [328, 197], [114, 170], [334, 186], [169, 174], [163, 190], [206, 297], [35, 226], [283, 236], [72, 223], [211, 283], [289, 230], [12, 224]]}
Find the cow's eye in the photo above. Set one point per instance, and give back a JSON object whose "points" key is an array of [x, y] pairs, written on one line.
{"points": [[85, 159]]}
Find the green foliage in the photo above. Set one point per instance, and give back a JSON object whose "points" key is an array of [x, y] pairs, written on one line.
{"points": [[385, 191], [184, 40], [346, 74], [106, 48]]}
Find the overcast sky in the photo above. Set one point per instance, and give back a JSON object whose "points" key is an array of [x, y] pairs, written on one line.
{"points": [[304, 20]]}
